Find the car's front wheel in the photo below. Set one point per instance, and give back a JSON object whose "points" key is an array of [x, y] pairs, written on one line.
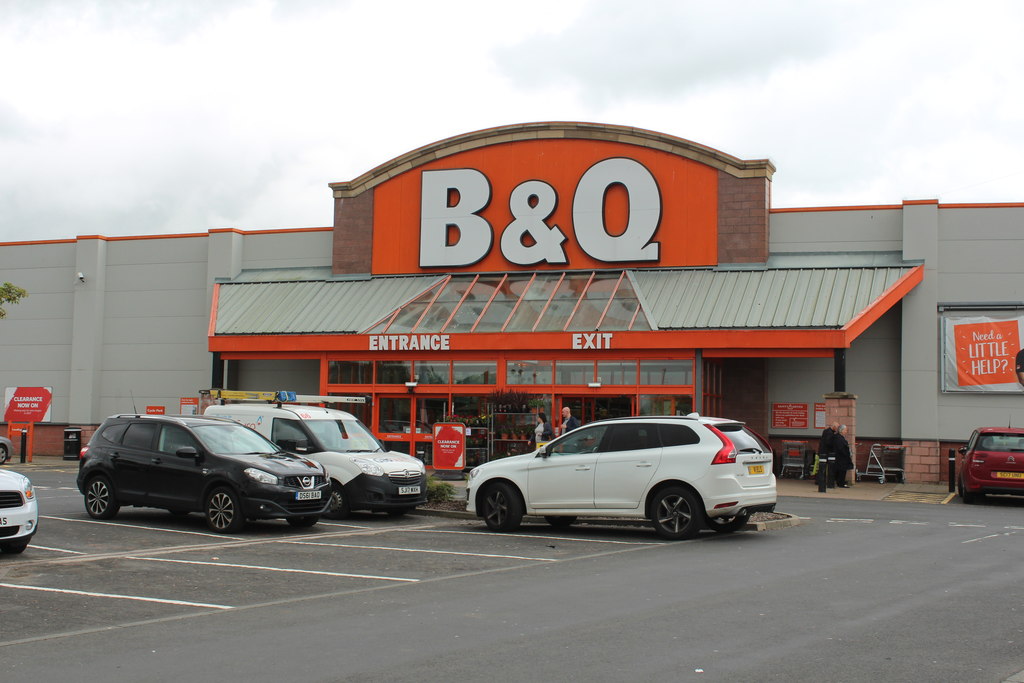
{"points": [[100, 499], [727, 525], [4, 455], [14, 547], [502, 507], [304, 521], [339, 507], [675, 513], [223, 511]]}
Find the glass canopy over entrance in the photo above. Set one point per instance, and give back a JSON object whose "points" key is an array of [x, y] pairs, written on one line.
{"points": [[528, 302]]}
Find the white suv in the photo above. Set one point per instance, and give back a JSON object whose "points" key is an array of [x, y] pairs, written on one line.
{"points": [[681, 473]]}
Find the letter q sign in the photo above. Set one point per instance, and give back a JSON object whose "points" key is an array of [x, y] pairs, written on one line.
{"points": [[532, 203]]}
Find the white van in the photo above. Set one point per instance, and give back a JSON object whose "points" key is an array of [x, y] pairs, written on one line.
{"points": [[364, 475]]}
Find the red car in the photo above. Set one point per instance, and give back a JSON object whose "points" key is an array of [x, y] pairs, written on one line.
{"points": [[993, 462]]}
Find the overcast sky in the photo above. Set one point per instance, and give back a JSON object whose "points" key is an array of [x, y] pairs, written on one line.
{"points": [[128, 117]]}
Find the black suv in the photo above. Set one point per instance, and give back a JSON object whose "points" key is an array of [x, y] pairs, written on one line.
{"points": [[185, 464]]}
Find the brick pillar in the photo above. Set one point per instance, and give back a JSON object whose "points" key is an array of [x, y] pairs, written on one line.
{"points": [[923, 462], [841, 407]]}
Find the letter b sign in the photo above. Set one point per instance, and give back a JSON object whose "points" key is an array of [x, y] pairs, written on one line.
{"points": [[532, 203]]}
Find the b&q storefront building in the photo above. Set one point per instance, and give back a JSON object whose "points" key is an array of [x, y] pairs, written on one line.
{"points": [[614, 270]]}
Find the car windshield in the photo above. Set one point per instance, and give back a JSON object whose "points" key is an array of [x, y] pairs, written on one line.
{"points": [[344, 436], [233, 439]]}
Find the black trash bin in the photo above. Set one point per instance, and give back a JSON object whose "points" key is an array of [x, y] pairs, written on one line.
{"points": [[72, 443]]}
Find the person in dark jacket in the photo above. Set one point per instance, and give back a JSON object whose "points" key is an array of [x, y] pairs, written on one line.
{"points": [[826, 446], [569, 421], [844, 460]]}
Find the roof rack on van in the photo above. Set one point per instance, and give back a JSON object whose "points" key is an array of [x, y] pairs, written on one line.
{"points": [[224, 395]]}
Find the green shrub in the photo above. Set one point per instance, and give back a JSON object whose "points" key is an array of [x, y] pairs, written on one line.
{"points": [[439, 491]]}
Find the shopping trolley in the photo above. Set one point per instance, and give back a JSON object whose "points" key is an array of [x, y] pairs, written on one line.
{"points": [[884, 461], [793, 458]]}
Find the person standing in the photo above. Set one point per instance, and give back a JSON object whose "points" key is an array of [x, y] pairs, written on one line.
{"points": [[826, 447], [843, 461], [569, 421], [542, 433]]}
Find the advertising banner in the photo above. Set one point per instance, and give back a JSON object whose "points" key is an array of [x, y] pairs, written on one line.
{"points": [[449, 445], [27, 404], [982, 353]]}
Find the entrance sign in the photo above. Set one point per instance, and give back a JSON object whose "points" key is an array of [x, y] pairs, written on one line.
{"points": [[27, 404], [449, 445]]}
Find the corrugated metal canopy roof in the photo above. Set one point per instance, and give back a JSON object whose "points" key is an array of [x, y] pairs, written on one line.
{"points": [[757, 299], [681, 299], [324, 307]]}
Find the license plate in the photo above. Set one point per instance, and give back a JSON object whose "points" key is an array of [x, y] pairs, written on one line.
{"points": [[3, 521], [1008, 475], [307, 495], [408, 490], [755, 469]]}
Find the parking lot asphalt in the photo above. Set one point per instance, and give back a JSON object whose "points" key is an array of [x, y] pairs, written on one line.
{"points": [[81, 574]]}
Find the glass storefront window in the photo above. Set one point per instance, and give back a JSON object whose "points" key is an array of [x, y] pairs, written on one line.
{"points": [[428, 372], [665, 405], [663, 372], [616, 372], [591, 308], [350, 372], [563, 302], [394, 371], [471, 372], [571, 372], [528, 372], [532, 304]]}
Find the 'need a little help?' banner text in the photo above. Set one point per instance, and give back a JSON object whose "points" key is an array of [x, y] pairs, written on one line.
{"points": [[983, 353]]}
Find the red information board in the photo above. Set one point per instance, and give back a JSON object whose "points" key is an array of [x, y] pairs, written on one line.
{"points": [[789, 416], [449, 445], [28, 404]]}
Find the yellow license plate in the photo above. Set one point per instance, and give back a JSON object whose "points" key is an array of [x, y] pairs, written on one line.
{"points": [[755, 469], [1008, 475]]}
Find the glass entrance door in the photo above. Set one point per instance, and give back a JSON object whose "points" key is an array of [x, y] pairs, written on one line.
{"points": [[590, 408], [406, 423]]}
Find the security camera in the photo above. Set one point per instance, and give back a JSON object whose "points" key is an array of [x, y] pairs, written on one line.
{"points": [[81, 277]]}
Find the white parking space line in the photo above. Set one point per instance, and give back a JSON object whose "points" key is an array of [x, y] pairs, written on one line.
{"points": [[147, 528], [850, 519], [56, 550], [346, 526], [138, 598], [273, 569], [982, 538], [423, 550], [901, 521], [546, 538]]}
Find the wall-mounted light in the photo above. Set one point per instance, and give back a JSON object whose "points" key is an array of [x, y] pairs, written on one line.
{"points": [[410, 386], [594, 385], [81, 276]]}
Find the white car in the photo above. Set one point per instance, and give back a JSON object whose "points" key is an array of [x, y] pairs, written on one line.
{"points": [[19, 512], [681, 473]]}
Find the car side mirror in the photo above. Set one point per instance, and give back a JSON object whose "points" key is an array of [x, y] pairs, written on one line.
{"points": [[544, 452], [962, 450], [294, 445], [188, 452]]}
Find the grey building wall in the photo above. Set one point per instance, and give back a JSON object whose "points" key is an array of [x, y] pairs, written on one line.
{"points": [[970, 254], [872, 374], [134, 333]]}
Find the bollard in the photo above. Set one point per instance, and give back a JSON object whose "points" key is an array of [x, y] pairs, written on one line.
{"points": [[830, 468], [952, 470], [24, 444], [822, 473]]}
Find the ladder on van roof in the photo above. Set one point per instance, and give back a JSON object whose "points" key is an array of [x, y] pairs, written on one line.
{"points": [[224, 395]]}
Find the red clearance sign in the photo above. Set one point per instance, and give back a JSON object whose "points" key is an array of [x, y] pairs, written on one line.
{"points": [[449, 445], [27, 404]]}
